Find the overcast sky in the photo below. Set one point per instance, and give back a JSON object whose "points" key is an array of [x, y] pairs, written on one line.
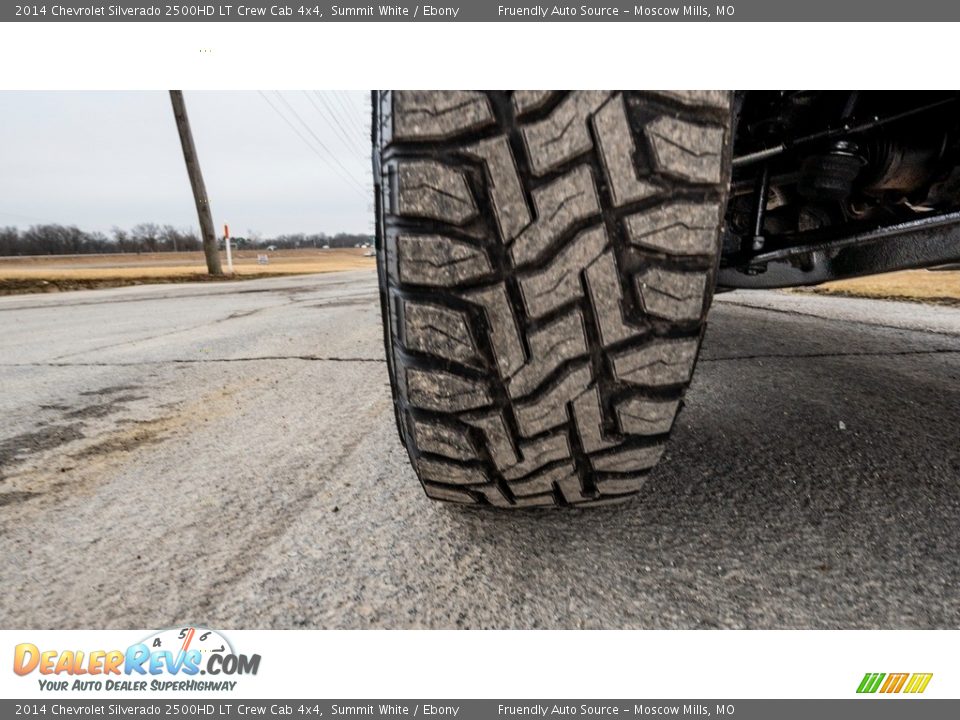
{"points": [[104, 159]]}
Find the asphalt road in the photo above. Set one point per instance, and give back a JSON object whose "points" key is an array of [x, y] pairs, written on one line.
{"points": [[226, 455]]}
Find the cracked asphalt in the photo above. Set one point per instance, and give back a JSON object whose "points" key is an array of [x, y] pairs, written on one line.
{"points": [[225, 454]]}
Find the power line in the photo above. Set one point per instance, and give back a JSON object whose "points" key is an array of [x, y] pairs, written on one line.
{"points": [[308, 143], [320, 142], [292, 126], [348, 119], [362, 116], [336, 126], [351, 112]]}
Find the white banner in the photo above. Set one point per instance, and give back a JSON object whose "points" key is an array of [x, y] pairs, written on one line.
{"points": [[61, 664]]}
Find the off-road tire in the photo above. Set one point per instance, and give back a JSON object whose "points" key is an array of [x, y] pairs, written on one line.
{"points": [[546, 262]]}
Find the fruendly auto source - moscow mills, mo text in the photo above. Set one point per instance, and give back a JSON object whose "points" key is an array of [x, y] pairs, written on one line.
{"points": [[614, 11]]}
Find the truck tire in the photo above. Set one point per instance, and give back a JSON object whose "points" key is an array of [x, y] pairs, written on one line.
{"points": [[546, 261]]}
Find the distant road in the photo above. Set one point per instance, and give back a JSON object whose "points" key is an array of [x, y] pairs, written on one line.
{"points": [[226, 454]]}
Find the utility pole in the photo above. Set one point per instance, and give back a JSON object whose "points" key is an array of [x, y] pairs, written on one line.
{"points": [[196, 183]]}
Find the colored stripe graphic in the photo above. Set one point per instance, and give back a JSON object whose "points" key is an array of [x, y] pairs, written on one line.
{"points": [[918, 682], [894, 683], [870, 682]]}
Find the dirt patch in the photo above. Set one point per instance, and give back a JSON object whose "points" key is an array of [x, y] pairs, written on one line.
{"points": [[944, 301], [15, 497], [241, 314], [103, 409], [14, 450], [110, 390], [346, 302], [146, 432], [40, 477], [27, 286], [17, 449]]}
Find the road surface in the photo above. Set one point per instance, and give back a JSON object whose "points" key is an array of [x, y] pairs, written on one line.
{"points": [[225, 454]]}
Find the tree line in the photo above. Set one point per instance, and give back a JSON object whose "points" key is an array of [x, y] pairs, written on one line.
{"points": [[53, 239]]}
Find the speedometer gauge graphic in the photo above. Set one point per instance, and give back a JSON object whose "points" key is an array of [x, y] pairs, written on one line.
{"points": [[181, 640]]}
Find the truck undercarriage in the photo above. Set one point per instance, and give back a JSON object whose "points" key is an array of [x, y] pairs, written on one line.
{"points": [[836, 184]]}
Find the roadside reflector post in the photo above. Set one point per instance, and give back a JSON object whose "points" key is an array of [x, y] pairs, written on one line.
{"points": [[226, 244]]}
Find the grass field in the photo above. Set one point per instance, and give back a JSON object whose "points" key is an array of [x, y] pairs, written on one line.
{"points": [[939, 286], [72, 272]]}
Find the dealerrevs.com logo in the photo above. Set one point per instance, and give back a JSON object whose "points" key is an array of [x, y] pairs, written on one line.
{"points": [[910, 683], [167, 660]]}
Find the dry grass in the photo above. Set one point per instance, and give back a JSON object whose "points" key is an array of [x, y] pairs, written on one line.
{"points": [[939, 286], [52, 273], [164, 265]]}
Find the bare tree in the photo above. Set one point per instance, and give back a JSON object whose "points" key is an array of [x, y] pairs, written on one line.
{"points": [[147, 235]]}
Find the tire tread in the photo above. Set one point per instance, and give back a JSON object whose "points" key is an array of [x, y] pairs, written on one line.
{"points": [[547, 261]]}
